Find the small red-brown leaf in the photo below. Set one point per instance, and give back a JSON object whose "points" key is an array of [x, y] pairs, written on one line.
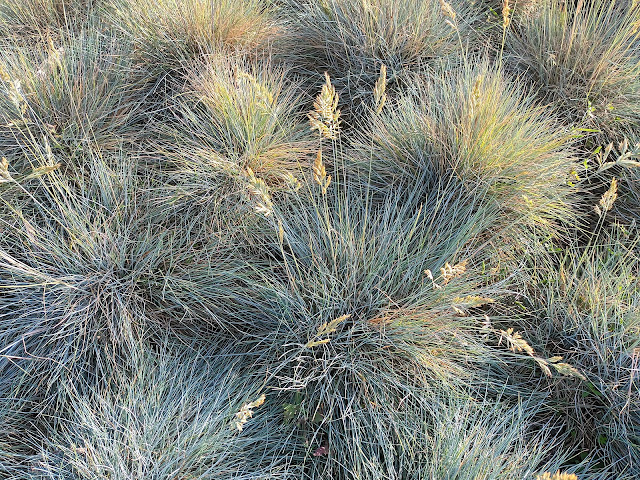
{"points": [[321, 452]]}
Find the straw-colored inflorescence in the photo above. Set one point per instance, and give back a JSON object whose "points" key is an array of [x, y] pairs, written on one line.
{"points": [[380, 89], [5, 176], [517, 344], [608, 198], [556, 476], [447, 10], [320, 173], [259, 192], [506, 13], [325, 116], [246, 412]]}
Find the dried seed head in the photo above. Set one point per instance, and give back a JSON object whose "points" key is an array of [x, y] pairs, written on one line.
{"points": [[246, 412], [325, 329], [475, 96], [5, 176], [515, 342], [293, 184], [380, 89], [320, 173], [449, 272], [477, 85], [326, 185], [471, 301], [325, 116], [319, 170], [609, 197], [4, 76], [17, 96], [506, 13], [259, 193], [565, 369], [556, 476], [486, 323], [596, 208], [280, 232], [447, 10]]}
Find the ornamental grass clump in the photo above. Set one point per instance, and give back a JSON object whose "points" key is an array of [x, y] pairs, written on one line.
{"points": [[72, 272], [236, 114], [365, 339], [587, 309], [495, 440], [479, 130], [582, 58], [33, 21], [351, 39], [237, 137], [164, 418], [87, 269], [169, 34], [82, 93]]}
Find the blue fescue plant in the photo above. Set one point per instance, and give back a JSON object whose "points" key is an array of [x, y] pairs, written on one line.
{"points": [[351, 39], [169, 34], [582, 57], [76, 94]]}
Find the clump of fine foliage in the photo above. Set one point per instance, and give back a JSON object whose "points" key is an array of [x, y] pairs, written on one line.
{"points": [[46, 105], [582, 57], [166, 34], [32, 21], [319, 239], [351, 39], [479, 130]]}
